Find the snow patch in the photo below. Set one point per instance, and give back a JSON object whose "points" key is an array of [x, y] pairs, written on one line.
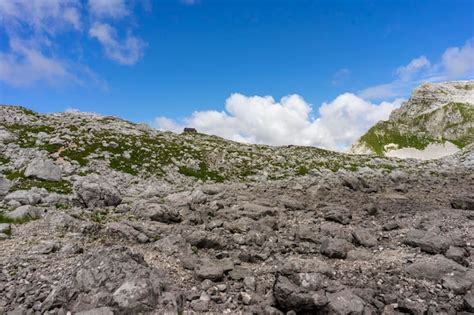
{"points": [[432, 151]]}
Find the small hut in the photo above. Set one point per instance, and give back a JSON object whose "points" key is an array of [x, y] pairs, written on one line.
{"points": [[190, 130]]}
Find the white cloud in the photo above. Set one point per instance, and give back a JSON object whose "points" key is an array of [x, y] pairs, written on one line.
{"points": [[455, 63], [25, 65], [383, 91], [108, 8], [257, 119], [33, 54], [29, 26], [41, 16], [459, 61], [127, 52], [405, 73]]}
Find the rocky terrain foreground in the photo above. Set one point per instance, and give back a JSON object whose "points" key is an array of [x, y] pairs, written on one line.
{"points": [[101, 216]]}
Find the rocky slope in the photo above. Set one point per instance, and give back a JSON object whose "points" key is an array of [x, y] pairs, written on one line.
{"points": [[103, 216], [436, 121]]}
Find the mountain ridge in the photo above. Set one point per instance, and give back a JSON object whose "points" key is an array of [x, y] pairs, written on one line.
{"points": [[437, 114]]}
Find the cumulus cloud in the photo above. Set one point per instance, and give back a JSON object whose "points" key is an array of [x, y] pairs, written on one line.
{"points": [[257, 119], [455, 63], [108, 8], [126, 52]]}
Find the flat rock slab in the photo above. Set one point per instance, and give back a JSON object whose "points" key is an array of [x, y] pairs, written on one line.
{"points": [[43, 169], [434, 268], [208, 269], [428, 242]]}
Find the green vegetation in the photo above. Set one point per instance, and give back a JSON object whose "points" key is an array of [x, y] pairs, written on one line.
{"points": [[389, 132], [154, 153], [13, 175], [24, 183], [302, 170], [5, 219], [25, 110], [467, 112], [386, 132], [60, 187], [61, 206], [467, 86], [24, 132], [98, 217], [202, 173], [4, 159]]}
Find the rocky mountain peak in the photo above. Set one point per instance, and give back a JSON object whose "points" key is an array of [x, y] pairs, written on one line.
{"points": [[431, 96], [436, 121]]}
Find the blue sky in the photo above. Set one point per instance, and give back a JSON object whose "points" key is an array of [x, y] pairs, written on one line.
{"points": [[146, 59]]}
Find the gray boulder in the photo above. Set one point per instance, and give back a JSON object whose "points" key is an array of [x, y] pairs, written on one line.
{"points": [[25, 212], [5, 228], [5, 186], [208, 269], [465, 202], [291, 203], [300, 285], [212, 189], [158, 212], [43, 169], [307, 233], [255, 211], [23, 197], [204, 239], [456, 282], [345, 302], [433, 268], [458, 254], [429, 242], [338, 214], [198, 197], [303, 292], [96, 191], [365, 238], [126, 230], [469, 301], [7, 136], [113, 277], [335, 248]]}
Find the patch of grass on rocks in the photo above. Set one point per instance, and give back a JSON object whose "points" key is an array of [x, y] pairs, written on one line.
{"points": [[5, 219]]}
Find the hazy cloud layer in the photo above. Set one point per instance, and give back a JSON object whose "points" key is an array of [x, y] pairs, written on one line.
{"points": [[455, 63], [108, 8], [257, 119]]}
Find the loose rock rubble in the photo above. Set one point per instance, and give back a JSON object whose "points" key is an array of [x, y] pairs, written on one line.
{"points": [[382, 236]]}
